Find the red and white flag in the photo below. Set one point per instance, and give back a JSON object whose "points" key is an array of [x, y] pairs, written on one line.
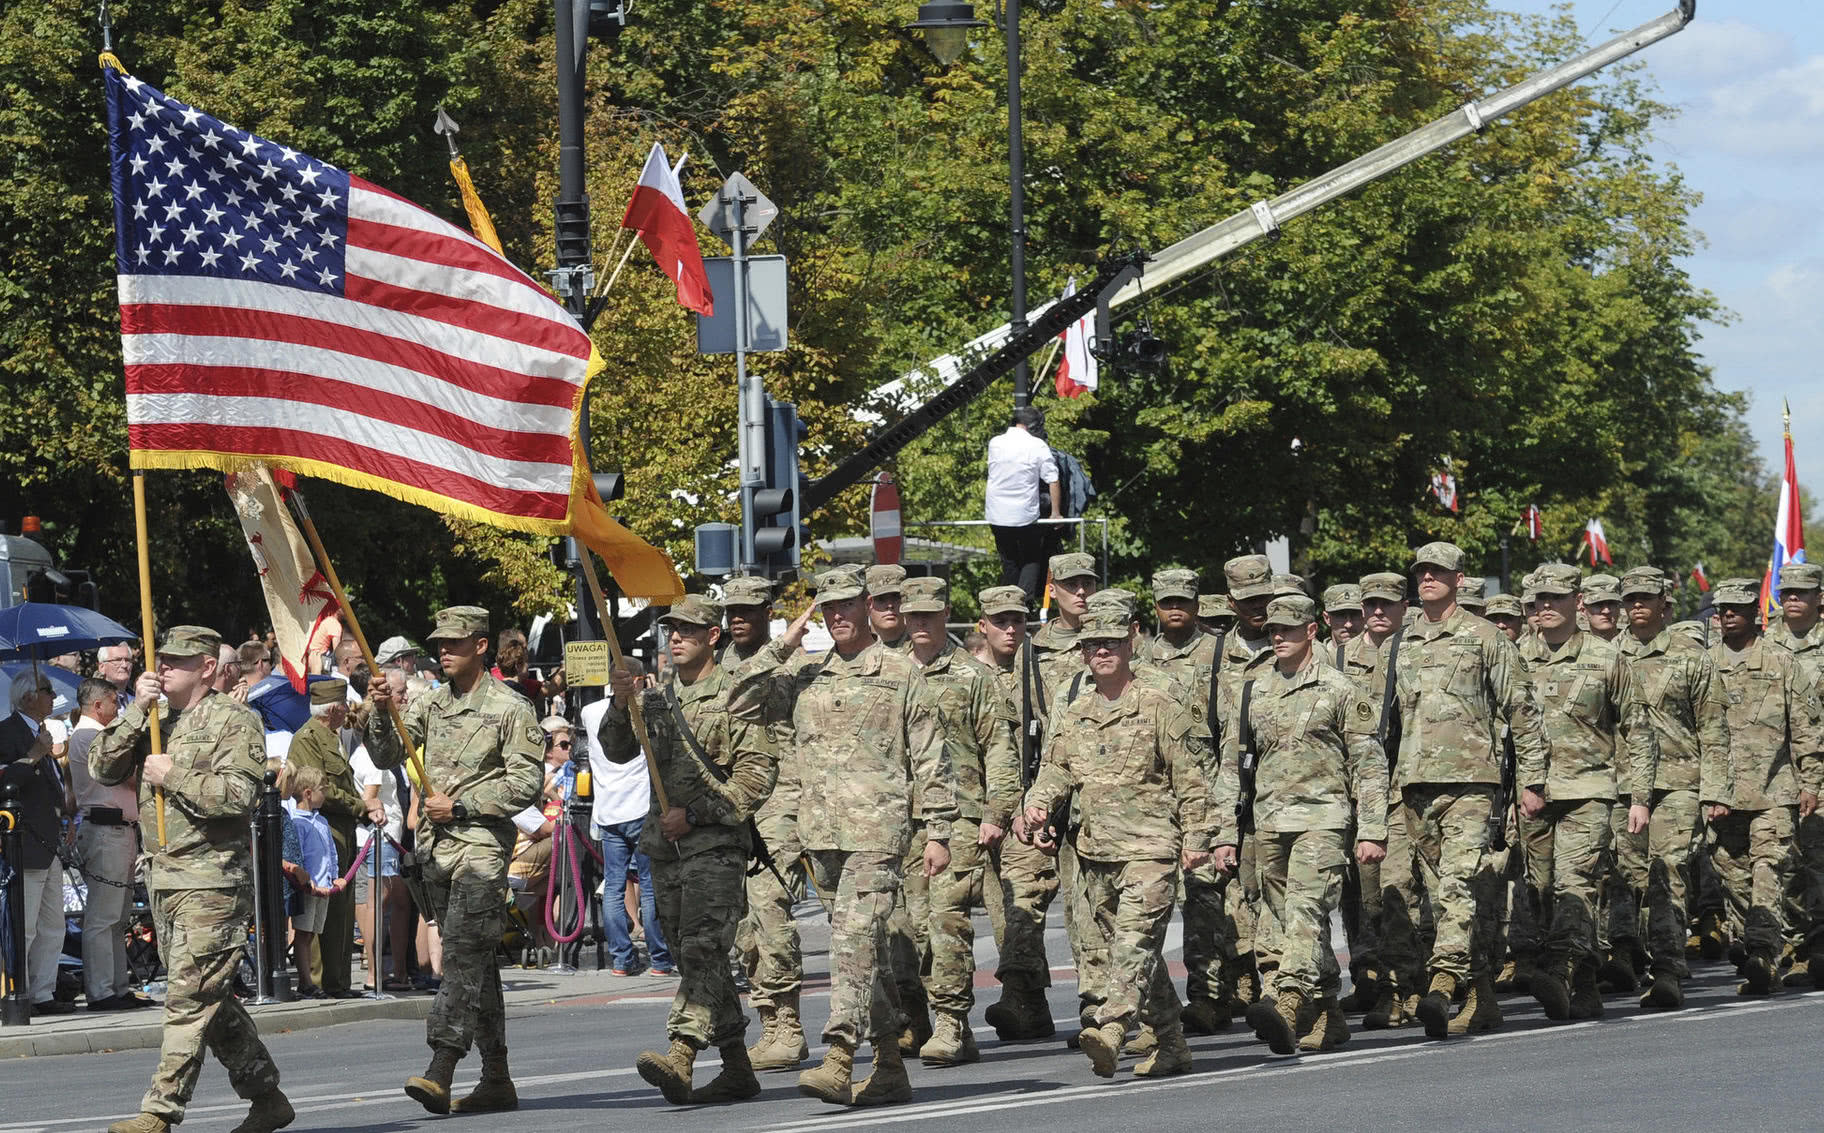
{"points": [[297, 595], [1534, 527], [1077, 370], [1597, 542], [274, 308], [1698, 576], [657, 212], [1788, 532], [1444, 486]]}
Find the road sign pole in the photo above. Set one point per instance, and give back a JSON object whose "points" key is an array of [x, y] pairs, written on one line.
{"points": [[752, 415]]}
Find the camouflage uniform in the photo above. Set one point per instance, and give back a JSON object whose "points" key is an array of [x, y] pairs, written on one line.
{"points": [[1690, 769], [1187, 662], [1805, 899], [1319, 773], [1454, 677], [1594, 724], [1772, 720], [485, 751], [200, 880], [1138, 768], [315, 745]]}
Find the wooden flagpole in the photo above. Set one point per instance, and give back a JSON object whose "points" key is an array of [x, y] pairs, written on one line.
{"points": [[614, 651], [609, 286], [147, 628]]}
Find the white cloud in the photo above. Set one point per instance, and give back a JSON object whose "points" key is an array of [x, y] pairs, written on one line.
{"points": [[1756, 229], [1773, 114], [1708, 53]]}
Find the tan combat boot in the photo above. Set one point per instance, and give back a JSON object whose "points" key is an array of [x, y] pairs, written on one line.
{"points": [[917, 1032], [830, 1082], [783, 1046], [495, 1092], [1712, 937], [887, 1084], [271, 1110], [1329, 1027], [432, 1088], [736, 1082], [952, 1043], [1170, 1056], [1433, 1008], [142, 1123], [1480, 1011], [1102, 1043], [1551, 986], [1204, 1015], [1664, 994], [1144, 1042], [1276, 1021], [670, 1071], [1758, 977], [1244, 984], [1364, 995], [1022, 1012]]}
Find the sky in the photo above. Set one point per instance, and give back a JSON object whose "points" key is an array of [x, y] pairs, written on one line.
{"points": [[1747, 77]]}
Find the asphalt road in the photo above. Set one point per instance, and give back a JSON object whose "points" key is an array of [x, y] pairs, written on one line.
{"points": [[1722, 1062]]}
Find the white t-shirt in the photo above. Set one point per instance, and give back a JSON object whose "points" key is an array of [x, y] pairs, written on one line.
{"points": [[1018, 463], [622, 792], [366, 774]]}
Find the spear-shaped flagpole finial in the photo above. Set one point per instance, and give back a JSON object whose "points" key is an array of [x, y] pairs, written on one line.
{"points": [[447, 126], [107, 26], [1786, 414]]}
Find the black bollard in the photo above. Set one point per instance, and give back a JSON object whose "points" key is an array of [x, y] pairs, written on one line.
{"points": [[16, 1004], [269, 860]]}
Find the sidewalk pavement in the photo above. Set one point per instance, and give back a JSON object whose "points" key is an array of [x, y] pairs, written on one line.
{"points": [[85, 1033]]}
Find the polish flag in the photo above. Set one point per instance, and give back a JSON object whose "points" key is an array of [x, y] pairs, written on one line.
{"points": [[1788, 532], [657, 213], [1077, 369], [1534, 528], [1698, 576], [1597, 542]]}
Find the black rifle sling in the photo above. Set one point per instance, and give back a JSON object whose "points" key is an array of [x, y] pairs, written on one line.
{"points": [[1209, 718], [1390, 688], [762, 855]]}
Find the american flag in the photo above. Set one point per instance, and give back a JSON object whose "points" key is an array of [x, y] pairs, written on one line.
{"points": [[276, 308]]}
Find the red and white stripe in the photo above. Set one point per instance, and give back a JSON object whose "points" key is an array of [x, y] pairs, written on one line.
{"points": [[441, 367]]}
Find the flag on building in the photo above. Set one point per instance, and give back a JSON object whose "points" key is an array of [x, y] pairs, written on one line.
{"points": [[1444, 487], [1700, 578], [1596, 543], [298, 597], [277, 309], [1077, 368], [656, 211], [1788, 530]]}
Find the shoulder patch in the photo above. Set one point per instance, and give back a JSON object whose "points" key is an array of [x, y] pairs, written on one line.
{"points": [[1364, 712]]}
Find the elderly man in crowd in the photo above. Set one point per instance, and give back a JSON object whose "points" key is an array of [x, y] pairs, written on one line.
{"points": [[109, 842], [29, 767]]}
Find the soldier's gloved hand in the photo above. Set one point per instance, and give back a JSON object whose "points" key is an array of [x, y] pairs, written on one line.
{"points": [[1224, 857], [1367, 853], [1808, 802], [1194, 859], [157, 766], [937, 858], [1531, 803], [990, 835], [1637, 818]]}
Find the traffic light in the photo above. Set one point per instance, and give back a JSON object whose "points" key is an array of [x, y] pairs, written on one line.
{"points": [[773, 505]]}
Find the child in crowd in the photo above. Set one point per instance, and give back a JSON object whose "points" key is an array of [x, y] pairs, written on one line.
{"points": [[316, 877]]}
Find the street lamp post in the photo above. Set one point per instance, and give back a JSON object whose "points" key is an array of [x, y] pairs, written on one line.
{"points": [[946, 25]]}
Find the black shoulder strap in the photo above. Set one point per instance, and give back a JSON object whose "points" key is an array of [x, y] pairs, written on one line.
{"points": [[1389, 690], [1215, 673], [1340, 646], [1076, 686], [1246, 724], [1035, 674]]}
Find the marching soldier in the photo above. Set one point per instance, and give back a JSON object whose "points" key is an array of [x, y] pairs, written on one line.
{"points": [[1314, 771], [1688, 780], [1801, 633], [1469, 596], [200, 877], [1593, 724], [978, 726], [1342, 617], [1602, 605], [1181, 647], [1507, 612], [885, 584], [867, 742], [1138, 764], [1773, 736], [484, 761], [1456, 674], [1215, 614]]}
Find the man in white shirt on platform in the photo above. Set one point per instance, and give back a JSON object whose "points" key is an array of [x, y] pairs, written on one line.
{"points": [[1020, 466]]}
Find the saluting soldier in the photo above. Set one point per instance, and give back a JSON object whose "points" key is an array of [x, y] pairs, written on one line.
{"points": [[200, 877], [484, 759], [1138, 764], [867, 741], [710, 751], [1801, 633], [1317, 773]]}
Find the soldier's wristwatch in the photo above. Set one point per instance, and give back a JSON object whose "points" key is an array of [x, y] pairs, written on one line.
{"points": [[459, 812]]}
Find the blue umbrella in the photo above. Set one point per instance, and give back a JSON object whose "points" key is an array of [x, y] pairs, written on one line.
{"points": [[284, 708], [42, 630], [63, 682]]}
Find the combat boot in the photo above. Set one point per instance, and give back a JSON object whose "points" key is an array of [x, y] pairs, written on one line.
{"points": [[1022, 1012], [432, 1088], [1505, 981], [1433, 1008], [1758, 977], [783, 1046], [1712, 936], [271, 1111], [1364, 995], [143, 1123], [1144, 1042], [1103, 1045], [1664, 995], [1552, 988], [670, 1071], [495, 1092], [830, 1081], [917, 1032], [736, 1082], [1244, 984], [1205, 1016], [952, 1043], [1525, 967], [1617, 971], [887, 1084], [1329, 1027], [1480, 1011], [1385, 1011], [1276, 1021], [1586, 996], [1170, 1056]]}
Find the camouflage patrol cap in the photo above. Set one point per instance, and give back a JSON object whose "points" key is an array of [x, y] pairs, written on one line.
{"points": [[190, 641], [1213, 606], [1001, 600], [1076, 564], [1291, 610], [886, 580], [1114, 602], [1446, 555], [1552, 578], [1104, 625], [1504, 604], [1249, 576], [1737, 592], [928, 594], [747, 590], [1643, 580], [693, 610], [1692, 631], [841, 583], [331, 691], [1175, 582], [1386, 585], [1470, 593], [1287, 584], [1602, 588], [1342, 596], [1801, 576], [454, 623]]}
